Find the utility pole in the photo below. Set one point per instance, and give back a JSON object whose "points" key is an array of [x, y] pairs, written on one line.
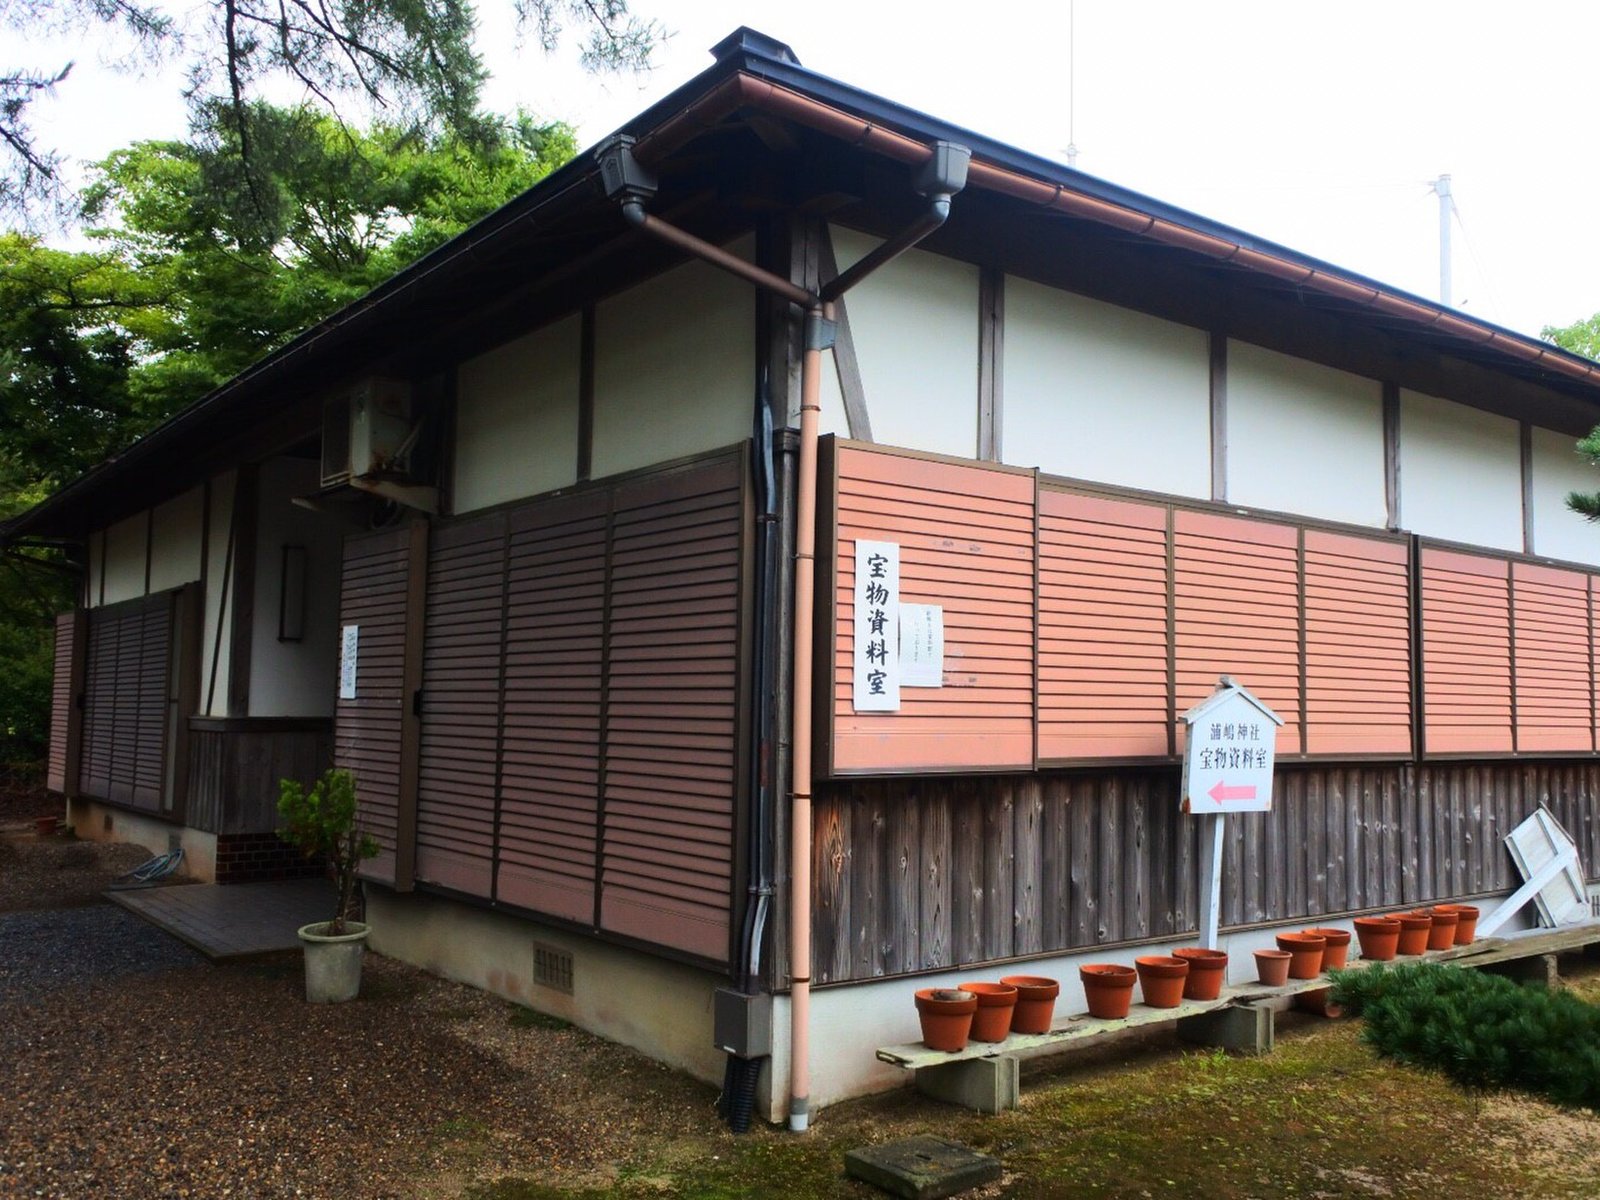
{"points": [[1441, 186]]}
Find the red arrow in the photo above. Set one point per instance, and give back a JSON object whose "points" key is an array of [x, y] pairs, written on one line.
{"points": [[1223, 792]]}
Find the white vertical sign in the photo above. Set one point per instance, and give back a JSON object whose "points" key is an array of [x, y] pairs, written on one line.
{"points": [[877, 634], [922, 645], [349, 637]]}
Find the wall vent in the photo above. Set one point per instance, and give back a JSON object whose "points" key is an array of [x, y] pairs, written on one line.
{"points": [[552, 967], [1594, 906]]}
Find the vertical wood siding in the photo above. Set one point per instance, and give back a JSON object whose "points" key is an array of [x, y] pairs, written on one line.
{"points": [[1358, 645], [127, 679], [966, 537], [463, 659], [672, 679], [372, 595], [1104, 684], [235, 764], [1553, 674], [928, 874], [550, 756], [63, 701], [1466, 653], [1236, 587]]}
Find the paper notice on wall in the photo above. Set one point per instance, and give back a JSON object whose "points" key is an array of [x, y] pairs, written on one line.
{"points": [[349, 636], [922, 645], [877, 640]]}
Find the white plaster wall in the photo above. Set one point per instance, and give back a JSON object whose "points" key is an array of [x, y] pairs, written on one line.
{"points": [[1558, 469], [294, 679], [214, 646], [915, 326], [517, 418], [832, 418], [1460, 473], [1304, 438], [1093, 391], [124, 559], [175, 541], [674, 367], [93, 821]]}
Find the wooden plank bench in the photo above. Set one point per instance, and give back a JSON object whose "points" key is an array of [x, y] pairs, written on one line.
{"points": [[986, 1075]]}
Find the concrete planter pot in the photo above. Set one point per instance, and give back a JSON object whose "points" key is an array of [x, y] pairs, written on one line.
{"points": [[333, 963]]}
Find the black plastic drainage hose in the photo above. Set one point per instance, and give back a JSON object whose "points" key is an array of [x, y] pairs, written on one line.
{"points": [[742, 1098]]}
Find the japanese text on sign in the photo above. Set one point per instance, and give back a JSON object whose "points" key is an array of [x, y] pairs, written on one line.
{"points": [[877, 627], [349, 637], [921, 645], [1228, 754]]}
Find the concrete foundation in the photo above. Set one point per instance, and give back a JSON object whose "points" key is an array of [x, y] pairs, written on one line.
{"points": [[1241, 1029], [989, 1085], [1542, 969], [93, 821]]}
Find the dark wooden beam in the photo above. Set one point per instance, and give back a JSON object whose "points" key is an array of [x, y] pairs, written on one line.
{"points": [[242, 594], [844, 348], [586, 393], [1219, 416], [1526, 458], [991, 354], [1391, 454]]}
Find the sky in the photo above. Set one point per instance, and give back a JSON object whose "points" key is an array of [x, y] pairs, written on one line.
{"points": [[1316, 125]]}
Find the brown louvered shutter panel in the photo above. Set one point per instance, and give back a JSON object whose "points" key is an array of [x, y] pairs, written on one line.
{"points": [[1103, 636], [60, 773], [1358, 645], [1237, 594], [127, 676], [462, 658], [550, 753], [372, 597], [1466, 653], [966, 537], [1554, 697], [671, 726]]}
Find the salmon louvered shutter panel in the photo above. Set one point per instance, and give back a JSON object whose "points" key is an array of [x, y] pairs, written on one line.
{"points": [[555, 645], [966, 537], [366, 739], [1237, 595], [1103, 636], [1466, 653], [1553, 681], [1358, 645], [99, 684], [463, 649], [671, 708], [64, 722], [150, 737], [125, 720]]}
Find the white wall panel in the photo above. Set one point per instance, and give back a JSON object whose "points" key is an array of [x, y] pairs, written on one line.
{"points": [[1304, 438], [215, 646], [517, 418], [915, 325], [1093, 391], [175, 541], [294, 678], [1558, 469], [1460, 473], [674, 367], [125, 559]]}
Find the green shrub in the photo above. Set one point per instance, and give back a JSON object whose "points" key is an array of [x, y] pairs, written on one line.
{"points": [[321, 822], [1482, 1030]]}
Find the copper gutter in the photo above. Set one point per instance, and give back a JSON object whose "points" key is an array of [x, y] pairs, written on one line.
{"points": [[743, 90]]}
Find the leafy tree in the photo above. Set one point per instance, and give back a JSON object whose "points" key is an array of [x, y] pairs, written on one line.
{"points": [[1581, 337], [413, 61]]}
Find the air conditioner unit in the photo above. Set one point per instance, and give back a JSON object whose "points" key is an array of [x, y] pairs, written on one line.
{"points": [[365, 429]]}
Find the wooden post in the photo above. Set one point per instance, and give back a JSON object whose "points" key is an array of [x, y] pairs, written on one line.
{"points": [[1213, 830]]}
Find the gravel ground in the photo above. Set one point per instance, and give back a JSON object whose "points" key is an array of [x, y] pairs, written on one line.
{"points": [[42, 951], [222, 1081], [58, 872]]}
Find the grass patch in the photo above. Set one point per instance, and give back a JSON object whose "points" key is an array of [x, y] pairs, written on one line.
{"points": [[530, 1018]]}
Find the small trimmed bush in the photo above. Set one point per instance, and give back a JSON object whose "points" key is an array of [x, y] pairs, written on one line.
{"points": [[1484, 1031]]}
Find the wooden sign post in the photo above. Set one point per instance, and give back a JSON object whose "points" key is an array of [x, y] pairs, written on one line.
{"points": [[1229, 746]]}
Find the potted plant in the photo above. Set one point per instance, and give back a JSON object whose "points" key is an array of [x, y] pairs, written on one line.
{"points": [[321, 822]]}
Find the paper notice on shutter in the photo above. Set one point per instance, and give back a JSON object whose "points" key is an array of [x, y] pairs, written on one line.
{"points": [[922, 645], [349, 637]]}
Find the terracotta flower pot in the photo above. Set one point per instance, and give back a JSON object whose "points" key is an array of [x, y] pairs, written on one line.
{"points": [[1161, 979], [1108, 988], [992, 1021], [46, 826], [1466, 924], [1316, 1001], [1443, 933], [946, 1016], [1208, 971], [1307, 950], [1036, 1002], [1272, 967], [1414, 931], [1336, 952], [1380, 937]]}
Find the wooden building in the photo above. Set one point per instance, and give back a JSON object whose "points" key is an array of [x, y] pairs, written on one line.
{"points": [[545, 493]]}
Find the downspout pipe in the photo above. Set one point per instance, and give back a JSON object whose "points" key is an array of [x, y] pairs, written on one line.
{"points": [[939, 176]]}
